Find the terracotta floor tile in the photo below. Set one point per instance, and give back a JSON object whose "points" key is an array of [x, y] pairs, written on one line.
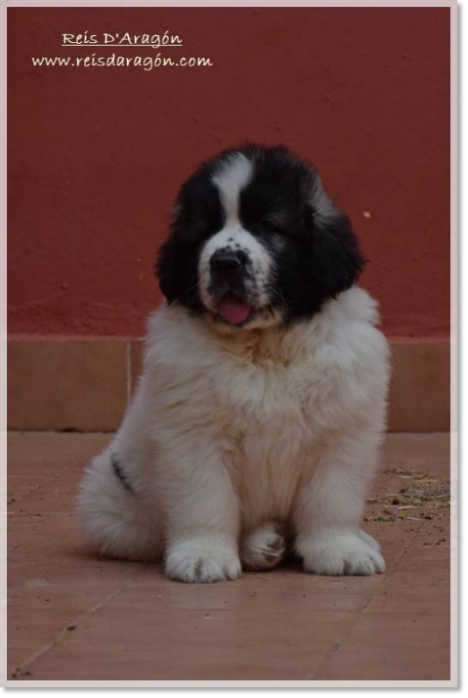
{"points": [[127, 621], [261, 641], [53, 496], [44, 537], [363, 662], [94, 662], [50, 616], [398, 640]]}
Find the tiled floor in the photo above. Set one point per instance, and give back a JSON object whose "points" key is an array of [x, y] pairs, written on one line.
{"points": [[73, 616]]}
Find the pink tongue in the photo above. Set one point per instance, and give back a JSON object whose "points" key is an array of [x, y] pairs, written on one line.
{"points": [[233, 310]]}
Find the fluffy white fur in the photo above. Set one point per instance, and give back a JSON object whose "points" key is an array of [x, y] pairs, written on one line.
{"points": [[230, 434]]}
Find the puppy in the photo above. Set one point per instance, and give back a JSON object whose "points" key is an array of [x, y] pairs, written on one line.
{"points": [[262, 402]]}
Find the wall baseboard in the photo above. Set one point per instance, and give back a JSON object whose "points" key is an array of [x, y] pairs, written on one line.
{"points": [[84, 384]]}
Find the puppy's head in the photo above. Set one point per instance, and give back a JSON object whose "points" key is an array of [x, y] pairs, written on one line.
{"points": [[256, 241]]}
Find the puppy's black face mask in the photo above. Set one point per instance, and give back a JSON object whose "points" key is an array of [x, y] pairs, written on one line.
{"points": [[256, 241]]}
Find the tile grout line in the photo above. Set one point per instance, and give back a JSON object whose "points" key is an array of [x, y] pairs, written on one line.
{"points": [[74, 463], [337, 646], [22, 669], [62, 470]]}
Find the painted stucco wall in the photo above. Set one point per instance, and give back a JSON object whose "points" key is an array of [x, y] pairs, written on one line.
{"points": [[96, 155]]}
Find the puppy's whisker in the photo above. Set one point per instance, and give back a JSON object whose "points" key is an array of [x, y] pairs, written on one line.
{"points": [[277, 295]]}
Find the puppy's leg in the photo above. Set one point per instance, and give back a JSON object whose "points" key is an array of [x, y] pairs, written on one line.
{"points": [[330, 506], [112, 515], [114, 510], [203, 515], [264, 548]]}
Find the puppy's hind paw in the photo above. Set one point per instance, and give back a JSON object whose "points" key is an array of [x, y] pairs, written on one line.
{"points": [[264, 548]]}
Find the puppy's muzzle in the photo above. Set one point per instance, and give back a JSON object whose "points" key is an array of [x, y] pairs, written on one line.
{"points": [[228, 271], [226, 264]]}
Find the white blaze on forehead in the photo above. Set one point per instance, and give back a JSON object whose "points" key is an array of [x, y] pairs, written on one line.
{"points": [[234, 174]]}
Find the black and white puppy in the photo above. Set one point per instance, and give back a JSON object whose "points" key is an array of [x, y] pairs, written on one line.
{"points": [[261, 406]]}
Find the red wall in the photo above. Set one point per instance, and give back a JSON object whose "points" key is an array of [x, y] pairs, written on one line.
{"points": [[96, 155]]}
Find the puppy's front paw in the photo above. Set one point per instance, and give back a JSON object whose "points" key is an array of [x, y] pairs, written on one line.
{"points": [[337, 553], [370, 540], [202, 561]]}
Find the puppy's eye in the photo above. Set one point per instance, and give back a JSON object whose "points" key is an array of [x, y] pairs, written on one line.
{"points": [[268, 226]]}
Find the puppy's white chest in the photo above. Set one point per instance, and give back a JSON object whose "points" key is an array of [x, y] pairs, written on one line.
{"points": [[272, 440], [270, 396]]}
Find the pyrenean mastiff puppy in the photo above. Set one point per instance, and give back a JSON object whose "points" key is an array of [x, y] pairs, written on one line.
{"points": [[256, 424]]}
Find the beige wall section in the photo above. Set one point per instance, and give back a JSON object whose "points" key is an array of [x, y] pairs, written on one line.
{"points": [[66, 384], [420, 387], [85, 384]]}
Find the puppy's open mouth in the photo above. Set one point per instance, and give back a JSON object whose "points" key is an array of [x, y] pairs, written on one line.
{"points": [[233, 309]]}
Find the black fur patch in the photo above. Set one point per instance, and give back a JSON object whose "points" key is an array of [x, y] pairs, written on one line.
{"points": [[121, 475], [198, 216]]}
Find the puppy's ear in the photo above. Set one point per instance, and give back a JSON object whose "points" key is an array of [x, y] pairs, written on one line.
{"points": [[337, 258], [166, 266], [176, 266], [168, 269]]}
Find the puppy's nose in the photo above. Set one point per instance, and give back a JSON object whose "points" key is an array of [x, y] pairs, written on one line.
{"points": [[228, 261]]}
